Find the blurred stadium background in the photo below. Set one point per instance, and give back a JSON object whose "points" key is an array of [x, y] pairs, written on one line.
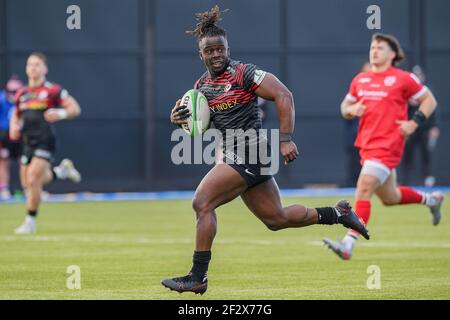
{"points": [[130, 62]]}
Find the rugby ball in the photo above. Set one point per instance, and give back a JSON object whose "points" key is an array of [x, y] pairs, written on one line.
{"points": [[197, 104]]}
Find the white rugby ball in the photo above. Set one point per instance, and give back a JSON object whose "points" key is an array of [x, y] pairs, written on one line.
{"points": [[197, 104]]}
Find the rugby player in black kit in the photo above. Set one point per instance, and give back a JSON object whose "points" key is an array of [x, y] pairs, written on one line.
{"points": [[38, 105], [238, 85]]}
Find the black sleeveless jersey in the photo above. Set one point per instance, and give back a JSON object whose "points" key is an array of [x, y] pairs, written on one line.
{"points": [[231, 96]]}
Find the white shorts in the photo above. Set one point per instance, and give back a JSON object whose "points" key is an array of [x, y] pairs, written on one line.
{"points": [[376, 169]]}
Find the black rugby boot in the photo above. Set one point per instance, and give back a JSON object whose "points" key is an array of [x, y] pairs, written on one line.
{"points": [[349, 219], [186, 284]]}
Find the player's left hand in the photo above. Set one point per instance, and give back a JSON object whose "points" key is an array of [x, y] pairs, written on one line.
{"points": [[289, 151], [407, 127]]}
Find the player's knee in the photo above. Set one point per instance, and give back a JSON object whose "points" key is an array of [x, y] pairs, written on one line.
{"points": [[276, 224], [390, 201], [272, 226], [366, 186], [201, 205], [33, 180]]}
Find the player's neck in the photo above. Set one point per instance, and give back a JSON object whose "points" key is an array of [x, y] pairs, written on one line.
{"points": [[213, 75], [380, 68], [34, 83]]}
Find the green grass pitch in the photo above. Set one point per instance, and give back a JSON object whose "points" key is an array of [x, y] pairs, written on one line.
{"points": [[124, 249]]}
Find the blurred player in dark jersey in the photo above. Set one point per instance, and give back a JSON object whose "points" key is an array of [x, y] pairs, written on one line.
{"points": [[380, 99], [232, 88], [9, 150], [38, 105], [423, 139]]}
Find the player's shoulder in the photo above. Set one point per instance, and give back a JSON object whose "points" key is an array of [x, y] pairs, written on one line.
{"points": [[21, 91], [404, 76], [200, 80], [403, 73], [361, 78], [236, 65], [55, 89], [242, 70], [361, 75], [52, 86]]}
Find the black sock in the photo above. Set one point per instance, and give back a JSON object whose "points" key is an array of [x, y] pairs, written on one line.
{"points": [[200, 267], [32, 213], [55, 177], [327, 215]]}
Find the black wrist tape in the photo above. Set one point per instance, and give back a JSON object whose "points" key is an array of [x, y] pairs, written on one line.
{"points": [[285, 137], [419, 117]]}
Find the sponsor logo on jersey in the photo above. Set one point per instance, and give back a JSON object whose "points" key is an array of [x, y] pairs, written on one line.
{"points": [[230, 104], [231, 70], [33, 105], [25, 97], [364, 80], [390, 80], [43, 95], [370, 93]]}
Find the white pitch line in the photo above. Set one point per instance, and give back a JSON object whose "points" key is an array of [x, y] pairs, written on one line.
{"points": [[259, 242], [143, 240], [93, 239]]}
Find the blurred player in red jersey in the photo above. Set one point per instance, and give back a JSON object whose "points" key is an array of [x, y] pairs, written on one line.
{"points": [[380, 99], [38, 105]]}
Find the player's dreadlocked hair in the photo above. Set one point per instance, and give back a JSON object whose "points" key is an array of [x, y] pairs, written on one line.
{"points": [[207, 24]]}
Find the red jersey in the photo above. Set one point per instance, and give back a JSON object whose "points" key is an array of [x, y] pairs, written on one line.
{"points": [[32, 103], [385, 96]]}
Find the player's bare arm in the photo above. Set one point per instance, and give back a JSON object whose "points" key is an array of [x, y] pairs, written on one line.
{"points": [[427, 105], [273, 89], [14, 127], [70, 109]]}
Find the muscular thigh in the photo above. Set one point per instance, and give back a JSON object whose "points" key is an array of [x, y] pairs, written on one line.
{"points": [[388, 192], [37, 168], [221, 185], [264, 200]]}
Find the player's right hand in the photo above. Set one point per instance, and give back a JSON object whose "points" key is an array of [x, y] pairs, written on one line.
{"points": [[179, 114], [289, 151], [357, 109]]}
